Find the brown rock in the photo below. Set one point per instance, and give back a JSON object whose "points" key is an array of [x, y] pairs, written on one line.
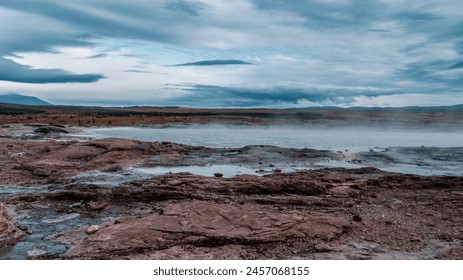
{"points": [[42, 172], [97, 206], [218, 174], [92, 229], [9, 233], [209, 223]]}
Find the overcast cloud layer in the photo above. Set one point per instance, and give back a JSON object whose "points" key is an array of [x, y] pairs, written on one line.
{"points": [[263, 53]]}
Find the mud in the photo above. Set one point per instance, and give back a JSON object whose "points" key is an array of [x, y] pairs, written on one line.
{"points": [[64, 198]]}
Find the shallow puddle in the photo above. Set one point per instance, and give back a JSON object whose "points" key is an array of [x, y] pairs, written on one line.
{"points": [[42, 224], [228, 171]]}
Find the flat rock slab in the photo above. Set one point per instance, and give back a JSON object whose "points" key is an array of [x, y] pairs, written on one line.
{"points": [[208, 224]]}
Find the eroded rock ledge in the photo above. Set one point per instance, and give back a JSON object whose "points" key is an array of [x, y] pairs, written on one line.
{"points": [[9, 233]]}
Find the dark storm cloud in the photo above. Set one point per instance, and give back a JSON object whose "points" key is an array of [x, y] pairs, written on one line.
{"points": [[414, 45], [100, 55], [236, 96], [190, 8], [215, 62], [329, 15], [429, 71], [115, 19], [136, 71], [13, 72], [457, 65], [34, 33]]}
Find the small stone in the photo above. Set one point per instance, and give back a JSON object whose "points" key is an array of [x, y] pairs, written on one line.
{"points": [[357, 218], [167, 144], [97, 206], [41, 172], [218, 174], [92, 229], [23, 227], [271, 165], [36, 252], [174, 182], [75, 205]]}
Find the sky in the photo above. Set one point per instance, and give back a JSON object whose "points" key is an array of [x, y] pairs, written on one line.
{"points": [[241, 53]]}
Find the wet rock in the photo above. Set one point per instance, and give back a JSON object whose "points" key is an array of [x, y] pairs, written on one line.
{"points": [[36, 252], [75, 205], [50, 129], [23, 227], [9, 233], [61, 218], [92, 229], [167, 144], [218, 174]]}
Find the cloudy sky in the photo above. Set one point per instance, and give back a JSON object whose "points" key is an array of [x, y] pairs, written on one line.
{"points": [[240, 53]]}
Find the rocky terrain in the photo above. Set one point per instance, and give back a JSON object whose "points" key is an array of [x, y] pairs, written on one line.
{"points": [[72, 198]]}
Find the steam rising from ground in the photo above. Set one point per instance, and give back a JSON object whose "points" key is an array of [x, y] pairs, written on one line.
{"points": [[335, 138]]}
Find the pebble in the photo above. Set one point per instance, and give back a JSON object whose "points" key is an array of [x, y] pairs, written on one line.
{"points": [[92, 229], [61, 218], [357, 218], [97, 206], [218, 174], [36, 252]]}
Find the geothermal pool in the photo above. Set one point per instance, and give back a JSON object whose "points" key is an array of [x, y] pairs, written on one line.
{"points": [[219, 136], [415, 151]]}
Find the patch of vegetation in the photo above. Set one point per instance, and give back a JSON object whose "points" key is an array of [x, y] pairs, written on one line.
{"points": [[7, 110], [124, 113]]}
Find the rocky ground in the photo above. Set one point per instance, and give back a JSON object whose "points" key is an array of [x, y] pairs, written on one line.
{"points": [[50, 209]]}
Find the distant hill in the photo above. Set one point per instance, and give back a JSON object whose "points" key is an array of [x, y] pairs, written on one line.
{"points": [[413, 109], [22, 99]]}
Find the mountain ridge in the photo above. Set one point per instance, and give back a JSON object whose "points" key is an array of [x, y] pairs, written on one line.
{"points": [[14, 98]]}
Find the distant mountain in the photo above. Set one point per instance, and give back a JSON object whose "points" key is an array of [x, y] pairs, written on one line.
{"points": [[22, 99]]}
